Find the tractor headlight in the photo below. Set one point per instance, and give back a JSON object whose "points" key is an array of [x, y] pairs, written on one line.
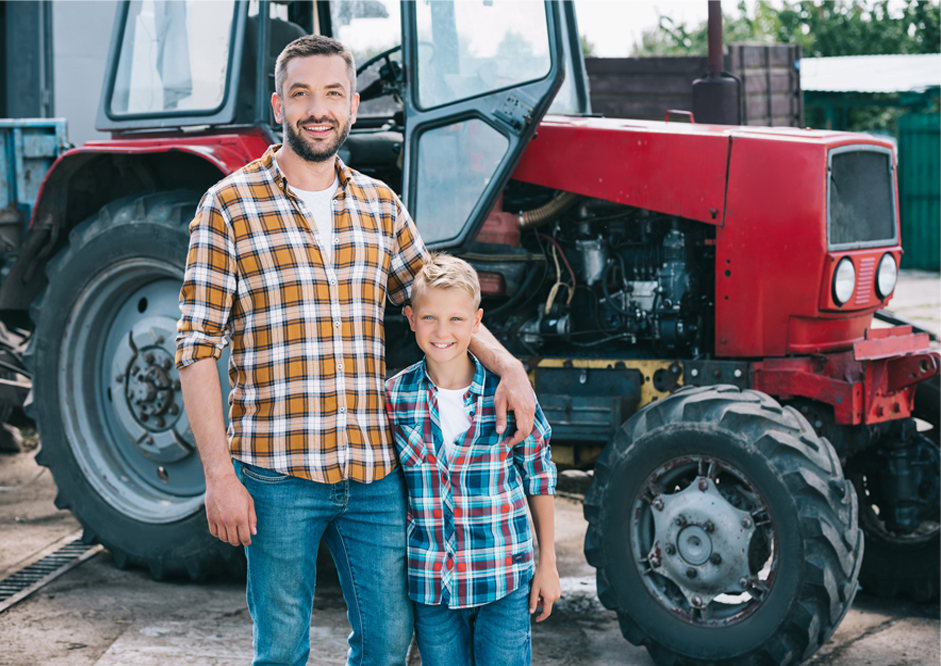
{"points": [[887, 276], [844, 281]]}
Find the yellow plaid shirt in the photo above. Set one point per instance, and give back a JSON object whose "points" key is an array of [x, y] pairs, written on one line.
{"points": [[307, 363]]}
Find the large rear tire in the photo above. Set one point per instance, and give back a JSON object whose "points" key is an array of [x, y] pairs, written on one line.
{"points": [[108, 406], [723, 531]]}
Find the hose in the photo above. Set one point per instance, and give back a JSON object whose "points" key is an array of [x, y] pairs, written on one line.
{"points": [[539, 216]]}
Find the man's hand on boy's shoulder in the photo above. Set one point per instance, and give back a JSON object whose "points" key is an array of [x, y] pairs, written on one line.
{"points": [[515, 394]]}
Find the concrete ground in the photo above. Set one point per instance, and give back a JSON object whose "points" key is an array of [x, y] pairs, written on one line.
{"points": [[99, 615]]}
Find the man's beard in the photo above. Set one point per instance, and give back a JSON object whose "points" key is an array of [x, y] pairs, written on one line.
{"points": [[308, 152]]}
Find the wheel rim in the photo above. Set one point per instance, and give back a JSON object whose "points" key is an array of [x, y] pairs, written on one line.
{"points": [[703, 541], [121, 404]]}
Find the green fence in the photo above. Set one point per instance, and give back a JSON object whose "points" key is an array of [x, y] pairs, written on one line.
{"points": [[920, 189]]}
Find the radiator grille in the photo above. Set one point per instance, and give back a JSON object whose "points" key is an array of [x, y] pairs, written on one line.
{"points": [[861, 211]]}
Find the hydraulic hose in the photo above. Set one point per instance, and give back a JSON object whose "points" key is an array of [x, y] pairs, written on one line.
{"points": [[539, 216]]}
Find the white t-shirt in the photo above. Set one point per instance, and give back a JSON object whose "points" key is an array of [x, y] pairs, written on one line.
{"points": [[320, 205], [453, 418]]}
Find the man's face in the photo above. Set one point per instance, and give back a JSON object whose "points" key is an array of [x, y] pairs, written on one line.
{"points": [[317, 106]]}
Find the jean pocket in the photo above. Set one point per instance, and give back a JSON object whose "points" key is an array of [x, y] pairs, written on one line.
{"points": [[263, 474]]}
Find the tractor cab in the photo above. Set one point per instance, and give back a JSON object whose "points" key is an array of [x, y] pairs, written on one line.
{"points": [[450, 92]]}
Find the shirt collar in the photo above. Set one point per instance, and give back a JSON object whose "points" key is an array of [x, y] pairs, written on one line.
{"points": [[477, 383], [270, 164]]}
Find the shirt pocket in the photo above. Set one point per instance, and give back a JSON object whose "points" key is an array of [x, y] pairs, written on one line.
{"points": [[410, 441]]}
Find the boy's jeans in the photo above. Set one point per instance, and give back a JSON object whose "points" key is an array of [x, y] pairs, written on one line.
{"points": [[495, 634], [364, 527]]}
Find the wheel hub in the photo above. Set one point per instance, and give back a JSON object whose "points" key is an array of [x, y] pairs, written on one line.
{"points": [[702, 542], [145, 390]]}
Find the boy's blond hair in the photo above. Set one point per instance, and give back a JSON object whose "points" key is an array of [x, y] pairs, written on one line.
{"points": [[442, 271]]}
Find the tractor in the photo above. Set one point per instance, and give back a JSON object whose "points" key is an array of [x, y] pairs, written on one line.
{"points": [[694, 304]]}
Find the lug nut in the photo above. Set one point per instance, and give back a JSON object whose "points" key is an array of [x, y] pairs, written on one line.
{"points": [[744, 582], [709, 527], [691, 573], [149, 358], [176, 384], [671, 549], [160, 422], [696, 601], [174, 409], [746, 522], [716, 558], [166, 364], [143, 416], [680, 520], [654, 560], [657, 504], [703, 484], [119, 378]]}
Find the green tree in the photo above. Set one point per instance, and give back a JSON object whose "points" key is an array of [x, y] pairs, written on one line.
{"points": [[588, 46], [831, 28]]}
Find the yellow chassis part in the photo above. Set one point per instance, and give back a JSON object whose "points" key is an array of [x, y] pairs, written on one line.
{"points": [[567, 456]]}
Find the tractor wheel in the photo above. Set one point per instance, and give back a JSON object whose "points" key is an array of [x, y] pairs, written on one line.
{"points": [[918, 576], [723, 531], [107, 398]]}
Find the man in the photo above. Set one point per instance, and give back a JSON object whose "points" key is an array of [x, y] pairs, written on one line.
{"points": [[292, 257]]}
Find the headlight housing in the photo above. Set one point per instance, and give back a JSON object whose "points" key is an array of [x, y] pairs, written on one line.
{"points": [[886, 276], [844, 281]]}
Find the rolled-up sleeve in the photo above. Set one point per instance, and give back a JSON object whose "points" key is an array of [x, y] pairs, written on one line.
{"points": [[533, 458], [209, 284], [408, 255]]}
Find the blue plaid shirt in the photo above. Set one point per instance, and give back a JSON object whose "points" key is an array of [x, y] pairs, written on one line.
{"points": [[469, 541]]}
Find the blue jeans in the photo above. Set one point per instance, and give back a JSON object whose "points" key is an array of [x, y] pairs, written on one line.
{"points": [[495, 634], [364, 527]]}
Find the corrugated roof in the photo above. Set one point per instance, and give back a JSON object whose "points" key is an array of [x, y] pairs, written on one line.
{"points": [[871, 74]]}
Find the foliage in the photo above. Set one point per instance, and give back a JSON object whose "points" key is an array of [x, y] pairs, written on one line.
{"points": [[822, 28], [588, 46]]}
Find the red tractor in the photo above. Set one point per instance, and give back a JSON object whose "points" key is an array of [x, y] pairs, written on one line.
{"points": [[694, 304]]}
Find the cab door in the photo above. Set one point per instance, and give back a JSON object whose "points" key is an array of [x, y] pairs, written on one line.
{"points": [[480, 75]]}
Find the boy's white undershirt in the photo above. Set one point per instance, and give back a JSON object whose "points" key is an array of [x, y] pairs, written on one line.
{"points": [[453, 418]]}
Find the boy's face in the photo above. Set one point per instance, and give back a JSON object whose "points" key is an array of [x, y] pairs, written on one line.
{"points": [[444, 321]]}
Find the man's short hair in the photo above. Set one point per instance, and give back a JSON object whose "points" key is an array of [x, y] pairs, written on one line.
{"points": [[442, 271], [313, 45]]}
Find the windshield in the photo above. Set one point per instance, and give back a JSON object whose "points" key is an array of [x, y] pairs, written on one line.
{"points": [[174, 57], [478, 46]]}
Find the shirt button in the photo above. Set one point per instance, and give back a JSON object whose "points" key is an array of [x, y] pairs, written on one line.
{"points": [[333, 282], [336, 240], [336, 324], [343, 410], [339, 366]]}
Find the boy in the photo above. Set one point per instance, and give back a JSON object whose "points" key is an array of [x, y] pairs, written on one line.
{"points": [[470, 552]]}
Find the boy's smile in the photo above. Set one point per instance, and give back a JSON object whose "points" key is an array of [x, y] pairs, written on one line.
{"points": [[444, 320]]}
